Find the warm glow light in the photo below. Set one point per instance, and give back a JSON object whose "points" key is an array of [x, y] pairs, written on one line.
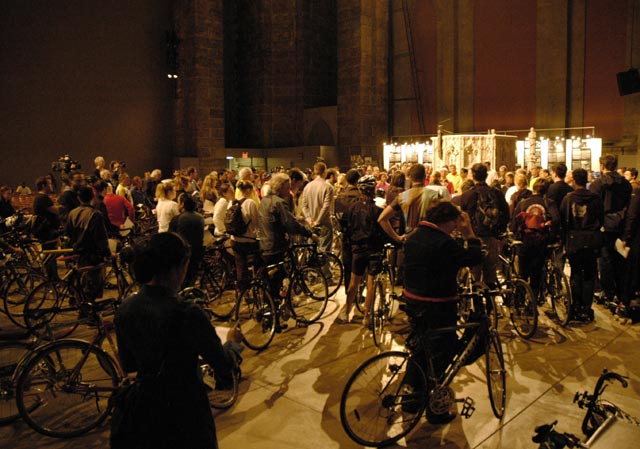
{"points": [[229, 158]]}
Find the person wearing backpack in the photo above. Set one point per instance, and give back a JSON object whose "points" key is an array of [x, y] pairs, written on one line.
{"points": [[582, 215], [615, 192], [242, 224], [344, 202], [366, 238], [489, 213], [536, 221]]}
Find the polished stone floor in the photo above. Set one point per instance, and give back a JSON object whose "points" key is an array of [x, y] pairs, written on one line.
{"points": [[290, 392]]}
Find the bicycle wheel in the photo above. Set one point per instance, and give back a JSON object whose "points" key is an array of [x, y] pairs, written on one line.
{"points": [[496, 374], [218, 398], [523, 308], [361, 294], [379, 312], [378, 405], [561, 301], [213, 280], [11, 353], [51, 310], [337, 273], [256, 315], [308, 294], [15, 295], [64, 390]]}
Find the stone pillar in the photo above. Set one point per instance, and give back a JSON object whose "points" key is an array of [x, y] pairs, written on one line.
{"points": [[551, 63], [362, 78], [575, 100], [200, 86]]}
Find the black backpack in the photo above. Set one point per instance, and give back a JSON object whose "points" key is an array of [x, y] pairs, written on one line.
{"points": [[488, 216], [363, 223], [233, 219]]}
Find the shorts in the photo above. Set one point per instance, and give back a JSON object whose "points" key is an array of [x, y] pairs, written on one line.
{"points": [[364, 260]]}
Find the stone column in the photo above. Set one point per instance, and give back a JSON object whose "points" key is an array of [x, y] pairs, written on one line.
{"points": [[362, 78], [200, 86]]}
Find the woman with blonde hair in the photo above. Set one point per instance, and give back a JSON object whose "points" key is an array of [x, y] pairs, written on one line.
{"points": [[208, 193], [167, 208]]}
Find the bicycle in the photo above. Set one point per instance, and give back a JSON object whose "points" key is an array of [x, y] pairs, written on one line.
{"points": [[516, 292], [384, 295], [602, 418], [378, 407], [304, 296], [64, 388], [51, 310], [17, 279], [554, 284], [218, 278], [328, 262]]}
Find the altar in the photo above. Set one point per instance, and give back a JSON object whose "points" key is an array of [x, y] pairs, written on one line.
{"points": [[464, 150]]}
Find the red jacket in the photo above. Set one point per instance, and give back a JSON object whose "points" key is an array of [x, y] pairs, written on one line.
{"points": [[118, 208]]}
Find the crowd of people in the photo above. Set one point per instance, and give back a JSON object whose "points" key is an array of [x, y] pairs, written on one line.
{"points": [[594, 214]]}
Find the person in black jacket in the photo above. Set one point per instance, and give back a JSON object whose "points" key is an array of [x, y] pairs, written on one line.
{"points": [[160, 338], [469, 202], [582, 210], [190, 226], [432, 259], [344, 202], [559, 189], [615, 192]]}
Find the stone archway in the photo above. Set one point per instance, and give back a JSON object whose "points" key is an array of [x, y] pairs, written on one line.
{"points": [[321, 134]]}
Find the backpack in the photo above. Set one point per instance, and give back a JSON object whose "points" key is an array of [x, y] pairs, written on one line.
{"points": [[233, 219], [488, 216], [363, 223], [533, 224]]}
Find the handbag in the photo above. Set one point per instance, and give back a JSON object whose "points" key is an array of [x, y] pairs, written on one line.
{"points": [[578, 240]]}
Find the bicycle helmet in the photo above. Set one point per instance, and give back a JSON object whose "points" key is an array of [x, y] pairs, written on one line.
{"points": [[367, 184]]}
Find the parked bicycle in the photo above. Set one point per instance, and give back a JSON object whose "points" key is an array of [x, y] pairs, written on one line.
{"points": [[555, 287], [378, 406]]}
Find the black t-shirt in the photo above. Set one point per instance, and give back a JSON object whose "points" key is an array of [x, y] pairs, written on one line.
{"points": [[41, 205]]}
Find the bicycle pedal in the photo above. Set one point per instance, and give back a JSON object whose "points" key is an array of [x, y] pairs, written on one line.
{"points": [[468, 407]]}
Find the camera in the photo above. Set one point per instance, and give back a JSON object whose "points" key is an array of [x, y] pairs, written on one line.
{"points": [[65, 164]]}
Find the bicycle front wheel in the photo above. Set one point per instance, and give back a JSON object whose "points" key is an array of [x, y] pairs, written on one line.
{"points": [[11, 353], [384, 399], [15, 295], [560, 291], [256, 317], [51, 310], [337, 273], [64, 390], [222, 301], [308, 294], [218, 398], [496, 375], [523, 309]]}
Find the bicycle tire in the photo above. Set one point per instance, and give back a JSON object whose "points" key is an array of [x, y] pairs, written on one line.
{"points": [[256, 316], [377, 407], [11, 354], [52, 403], [361, 294], [378, 312], [222, 301], [51, 310], [561, 300], [523, 309], [15, 295], [496, 374], [337, 273], [308, 294], [220, 399]]}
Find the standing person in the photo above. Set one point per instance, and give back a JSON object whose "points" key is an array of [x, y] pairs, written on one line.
{"points": [[220, 209], [209, 192], [23, 189], [317, 204], [88, 237], [68, 200], [432, 261], [118, 208], [366, 238], [559, 189], [161, 338], [615, 193], [167, 208], [46, 224], [247, 243], [489, 215], [192, 176], [276, 222], [100, 165], [454, 178], [151, 187], [344, 202], [6, 208], [123, 188], [246, 174], [190, 226], [582, 216]]}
